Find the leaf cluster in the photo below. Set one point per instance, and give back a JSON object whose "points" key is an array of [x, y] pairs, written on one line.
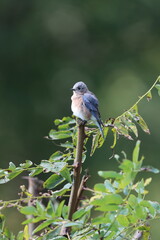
{"points": [[115, 209]]}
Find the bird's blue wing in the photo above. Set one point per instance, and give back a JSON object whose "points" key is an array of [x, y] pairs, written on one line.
{"points": [[91, 102]]}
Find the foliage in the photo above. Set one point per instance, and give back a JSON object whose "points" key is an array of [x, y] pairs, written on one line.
{"points": [[116, 208]]}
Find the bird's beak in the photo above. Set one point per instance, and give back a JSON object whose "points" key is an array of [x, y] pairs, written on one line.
{"points": [[72, 89]]}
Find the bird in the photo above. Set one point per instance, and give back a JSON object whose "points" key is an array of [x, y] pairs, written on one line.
{"points": [[85, 105]]}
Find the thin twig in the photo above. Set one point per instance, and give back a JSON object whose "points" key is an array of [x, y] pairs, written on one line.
{"points": [[15, 202], [144, 95], [81, 189]]}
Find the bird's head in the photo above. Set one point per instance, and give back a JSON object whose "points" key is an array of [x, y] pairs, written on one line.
{"points": [[80, 87]]}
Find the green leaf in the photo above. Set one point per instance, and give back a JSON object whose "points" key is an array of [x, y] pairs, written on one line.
{"points": [[123, 220], [109, 174], [156, 206], [14, 174], [62, 191], [105, 132], [78, 214], [4, 180], [12, 166], [35, 171], [98, 140], [53, 181], [2, 221], [81, 212], [40, 208], [110, 235], [94, 143], [147, 181], [109, 186], [53, 167], [107, 202], [99, 187], [126, 166], [47, 166], [114, 137], [43, 225], [67, 145], [101, 220], [127, 179], [34, 220], [49, 237], [65, 120], [56, 156], [58, 212], [65, 173], [133, 218], [158, 88], [26, 233], [57, 135], [73, 224], [8, 234], [136, 150], [102, 138], [146, 234], [136, 117], [140, 212], [143, 124], [64, 127], [132, 201], [122, 129], [131, 126], [139, 187], [57, 121], [151, 209], [69, 120], [20, 235], [134, 110], [82, 233], [107, 207], [28, 210], [65, 212], [27, 164], [50, 209], [3, 173]]}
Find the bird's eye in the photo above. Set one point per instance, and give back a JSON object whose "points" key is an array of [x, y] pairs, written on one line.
{"points": [[79, 88]]}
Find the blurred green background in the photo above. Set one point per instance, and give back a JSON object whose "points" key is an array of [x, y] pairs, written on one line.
{"points": [[47, 46]]}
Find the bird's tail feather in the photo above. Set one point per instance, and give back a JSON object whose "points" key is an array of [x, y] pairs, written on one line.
{"points": [[100, 124]]}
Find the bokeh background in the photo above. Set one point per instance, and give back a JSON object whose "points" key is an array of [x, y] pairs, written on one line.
{"points": [[47, 46]]}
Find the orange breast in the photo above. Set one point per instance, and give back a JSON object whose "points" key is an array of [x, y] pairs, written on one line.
{"points": [[79, 109]]}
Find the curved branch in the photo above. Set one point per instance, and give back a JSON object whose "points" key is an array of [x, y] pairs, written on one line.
{"points": [[144, 95]]}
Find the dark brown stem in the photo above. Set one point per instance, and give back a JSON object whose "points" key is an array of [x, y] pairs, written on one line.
{"points": [[77, 171], [81, 189], [35, 186]]}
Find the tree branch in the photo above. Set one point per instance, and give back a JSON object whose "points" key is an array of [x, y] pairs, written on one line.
{"points": [[77, 170], [81, 189]]}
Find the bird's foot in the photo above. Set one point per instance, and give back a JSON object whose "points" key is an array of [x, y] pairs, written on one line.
{"points": [[81, 122]]}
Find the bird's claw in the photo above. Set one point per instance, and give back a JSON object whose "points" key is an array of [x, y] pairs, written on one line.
{"points": [[81, 122]]}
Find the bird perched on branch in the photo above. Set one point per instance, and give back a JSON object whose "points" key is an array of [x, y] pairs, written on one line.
{"points": [[85, 104]]}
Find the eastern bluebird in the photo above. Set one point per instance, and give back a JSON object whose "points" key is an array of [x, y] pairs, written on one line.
{"points": [[85, 105]]}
